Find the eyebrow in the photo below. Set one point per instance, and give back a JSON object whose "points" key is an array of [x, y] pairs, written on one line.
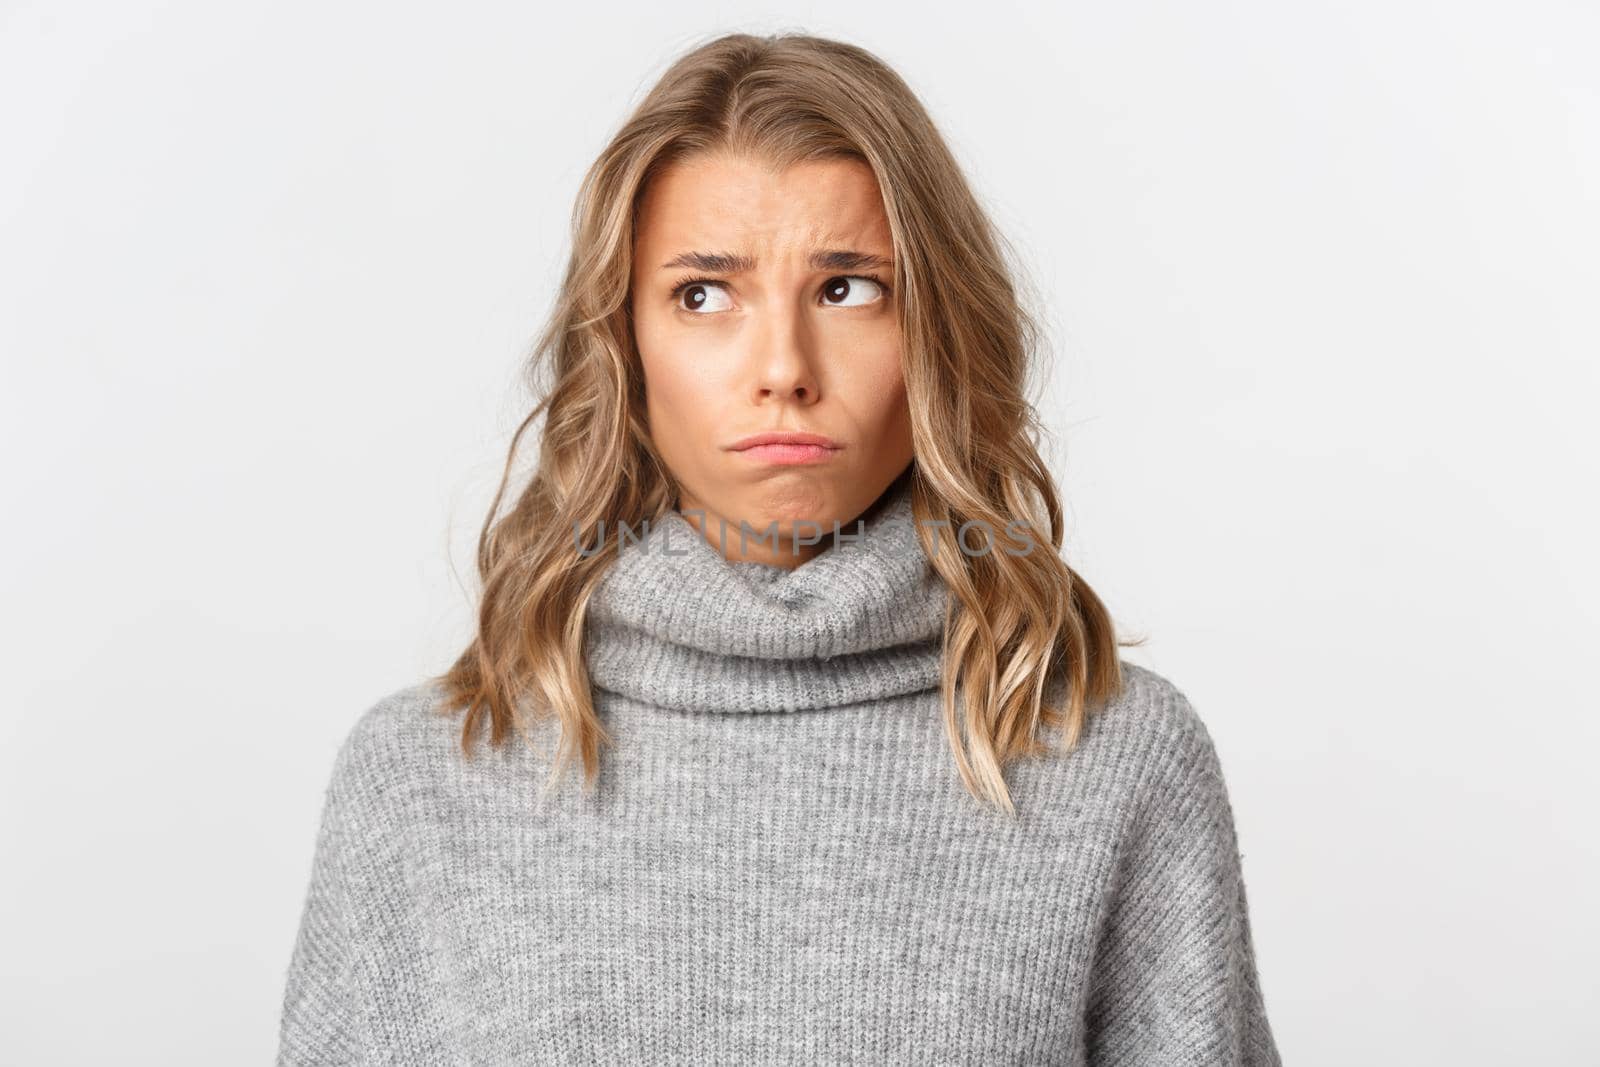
{"points": [[738, 263]]}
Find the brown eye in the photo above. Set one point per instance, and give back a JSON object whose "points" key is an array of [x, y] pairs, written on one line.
{"points": [[700, 296], [839, 290]]}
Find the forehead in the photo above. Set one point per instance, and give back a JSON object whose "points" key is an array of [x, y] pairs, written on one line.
{"points": [[722, 203]]}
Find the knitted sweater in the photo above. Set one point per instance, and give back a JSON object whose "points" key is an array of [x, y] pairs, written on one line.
{"points": [[779, 863]]}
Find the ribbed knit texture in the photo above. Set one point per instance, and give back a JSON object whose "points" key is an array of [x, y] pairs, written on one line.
{"points": [[677, 626], [779, 863]]}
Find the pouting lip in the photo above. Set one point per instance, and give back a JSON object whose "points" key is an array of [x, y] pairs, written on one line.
{"points": [[783, 437]]}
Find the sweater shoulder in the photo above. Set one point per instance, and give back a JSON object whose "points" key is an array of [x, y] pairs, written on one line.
{"points": [[1154, 735], [1151, 705], [397, 736]]}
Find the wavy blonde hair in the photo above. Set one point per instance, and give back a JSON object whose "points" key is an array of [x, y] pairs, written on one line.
{"points": [[1019, 623]]}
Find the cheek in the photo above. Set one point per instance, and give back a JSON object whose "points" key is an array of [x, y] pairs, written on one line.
{"points": [[879, 388], [679, 373], [679, 393]]}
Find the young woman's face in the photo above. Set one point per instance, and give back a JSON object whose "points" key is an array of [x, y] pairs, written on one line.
{"points": [[755, 309]]}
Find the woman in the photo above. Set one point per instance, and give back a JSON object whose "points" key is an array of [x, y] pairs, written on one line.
{"points": [[834, 822]]}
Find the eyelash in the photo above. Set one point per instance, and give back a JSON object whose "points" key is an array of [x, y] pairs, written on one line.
{"points": [[677, 290]]}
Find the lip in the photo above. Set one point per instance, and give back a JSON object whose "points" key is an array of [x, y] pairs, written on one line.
{"points": [[784, 437], [787, 447]]}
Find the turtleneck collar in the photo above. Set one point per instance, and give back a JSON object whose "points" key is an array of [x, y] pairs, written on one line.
{"points": [[676, 625]]}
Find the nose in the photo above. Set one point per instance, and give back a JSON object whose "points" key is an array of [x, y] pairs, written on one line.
{"points": [[784, 358]]}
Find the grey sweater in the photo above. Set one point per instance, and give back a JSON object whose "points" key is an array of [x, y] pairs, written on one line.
{"points": [[779, 863]]}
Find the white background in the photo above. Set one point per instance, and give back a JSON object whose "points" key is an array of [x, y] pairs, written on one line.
{"points": [[1321, 286]]}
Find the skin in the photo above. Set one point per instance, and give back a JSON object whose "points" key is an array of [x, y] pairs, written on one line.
{"points": [[786, 344]]}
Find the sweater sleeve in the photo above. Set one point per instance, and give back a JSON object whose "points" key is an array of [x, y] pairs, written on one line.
{"points": [[1174, 979], [320, 1009]]}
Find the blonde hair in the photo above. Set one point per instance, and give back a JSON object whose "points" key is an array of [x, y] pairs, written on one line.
{"points": [[1019, 622]]}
